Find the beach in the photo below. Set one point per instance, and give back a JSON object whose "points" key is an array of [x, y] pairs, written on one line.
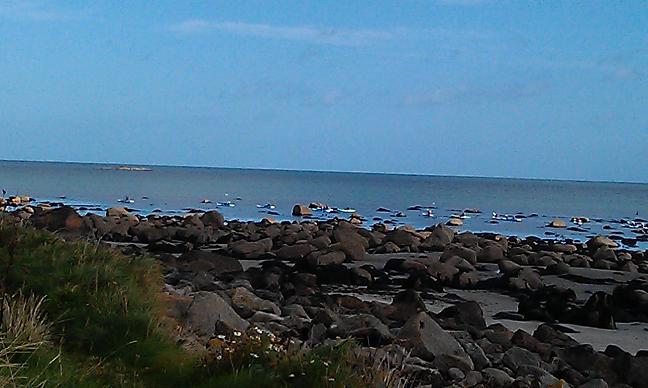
{"points": [[453, 306]]}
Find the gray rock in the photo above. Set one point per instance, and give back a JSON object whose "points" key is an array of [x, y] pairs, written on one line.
{"points": [[364, 326], [594, 383], [430, 342], [242, 298], [497, 377], [516, 357], [294, 310], [209, 312]]}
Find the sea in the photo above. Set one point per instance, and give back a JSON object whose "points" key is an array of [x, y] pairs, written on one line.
{"points": [[617, 208]]}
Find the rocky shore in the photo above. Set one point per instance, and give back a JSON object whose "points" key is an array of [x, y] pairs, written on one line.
{"points": [[451, 308]]}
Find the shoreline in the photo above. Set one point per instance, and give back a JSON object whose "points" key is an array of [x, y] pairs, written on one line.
{"points": [[492, 296]]}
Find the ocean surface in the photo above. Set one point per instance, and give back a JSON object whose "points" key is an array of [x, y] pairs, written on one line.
{"points": [[178, 189]]}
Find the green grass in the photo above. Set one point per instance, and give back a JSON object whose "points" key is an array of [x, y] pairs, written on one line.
{"points": [[103, 312]]}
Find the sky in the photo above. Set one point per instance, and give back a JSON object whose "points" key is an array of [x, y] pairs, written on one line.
{"points": [[537, 89]]}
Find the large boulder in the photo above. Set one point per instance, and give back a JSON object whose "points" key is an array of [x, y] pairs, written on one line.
{"points": [[301, 211], [63, 218], [247, 303], [490, 254], [430, 342], [362, 326], [601, 241], [401, 238], [294, 252], [209, 314], [213, 218], [251, 249], [557, 223], [207, 261], [439, 237], [516, 357], [466, 313], [120, 212]]}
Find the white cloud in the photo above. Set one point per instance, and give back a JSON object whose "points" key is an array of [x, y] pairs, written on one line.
{"points": [[310, 34], [39, 11]]}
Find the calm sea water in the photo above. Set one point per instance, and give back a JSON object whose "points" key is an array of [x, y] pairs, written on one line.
{"points": [[173, 189]]}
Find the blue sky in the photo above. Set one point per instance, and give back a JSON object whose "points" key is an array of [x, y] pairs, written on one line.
{"points": [[454, 87]]}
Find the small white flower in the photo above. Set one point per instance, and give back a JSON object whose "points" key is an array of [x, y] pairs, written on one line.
{"points": [[291, 375], [254, 355], [220, 337], [237, 334]]}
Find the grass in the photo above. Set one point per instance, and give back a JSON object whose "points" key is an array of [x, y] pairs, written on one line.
{"points": [[77, 314]]}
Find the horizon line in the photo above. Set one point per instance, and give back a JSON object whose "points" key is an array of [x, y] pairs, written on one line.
{"points": [[326, 171]]}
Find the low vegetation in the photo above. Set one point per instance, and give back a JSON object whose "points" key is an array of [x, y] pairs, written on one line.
{"points": [[78, 314]]}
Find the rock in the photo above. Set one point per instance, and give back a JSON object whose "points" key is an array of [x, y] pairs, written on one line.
{"points": [[361, 276], [443, 271], [452, 250], [207, 261], [213, 218], [363, 326], [497, 377], [301, 211], [295, 311], [244, 300], [264, 317], [321, 242], [508, 267], [547, 334], [490, 254], [251, 249], [331, 258], [594, 383], [455, 222], [294, 252], [120, 212], [406, 304], [629, 266], [472, 379], [560, 268], [601, 241], [466, 313], [456, 374], [209, 313], [516, 357], [563, 248], [389, 247], [605, 253], [63, 218], [401, 238], [354, 251], [557, 223], [440, 236], [430, 342]]}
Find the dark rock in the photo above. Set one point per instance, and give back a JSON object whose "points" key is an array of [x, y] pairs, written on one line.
{"points": [[251, 249], [362, 326], [465, 313], [516, 357], [207, 261], [63, 218], [402, 238], [440, 237], [294, 252], [213, 218]]}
